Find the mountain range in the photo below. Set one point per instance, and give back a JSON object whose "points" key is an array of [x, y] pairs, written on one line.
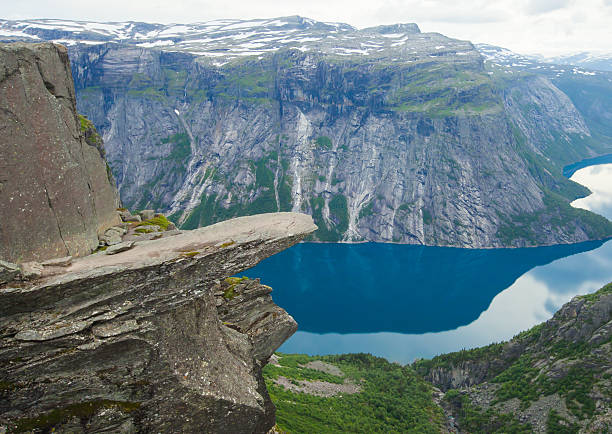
{"points": [[381, 134]]}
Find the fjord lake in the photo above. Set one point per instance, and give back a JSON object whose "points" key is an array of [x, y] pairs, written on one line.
{"points": [[404, 302]]}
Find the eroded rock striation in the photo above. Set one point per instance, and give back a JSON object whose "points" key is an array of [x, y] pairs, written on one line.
{"points": [[55, 189], [153, 338]]}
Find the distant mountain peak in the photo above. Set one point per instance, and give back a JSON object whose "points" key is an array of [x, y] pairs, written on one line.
{"points": [[395, 28]]}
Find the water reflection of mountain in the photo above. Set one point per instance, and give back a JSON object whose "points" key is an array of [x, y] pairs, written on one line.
{"points": [[569, 170], [366, 288]]}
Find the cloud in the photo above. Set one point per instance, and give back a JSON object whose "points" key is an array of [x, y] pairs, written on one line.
{"points": [[536, 7], [459, 11]]}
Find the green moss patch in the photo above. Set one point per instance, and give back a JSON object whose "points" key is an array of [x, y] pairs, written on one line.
{"points": [[83, 411], [160, 221]]}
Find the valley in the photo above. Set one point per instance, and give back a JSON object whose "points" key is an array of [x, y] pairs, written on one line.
{"points": [[460, 260]]}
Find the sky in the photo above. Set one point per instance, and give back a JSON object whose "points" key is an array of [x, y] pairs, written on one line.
{"points": [[548, 27]]}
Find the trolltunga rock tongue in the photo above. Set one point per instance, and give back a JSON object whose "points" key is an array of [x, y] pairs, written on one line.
{"points": [[154, 338]]}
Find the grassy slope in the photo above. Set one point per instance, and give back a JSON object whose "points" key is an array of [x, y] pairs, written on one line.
{"points": [[393, 398]]}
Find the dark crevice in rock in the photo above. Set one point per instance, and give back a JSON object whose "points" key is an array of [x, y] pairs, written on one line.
{"points": [[57, 222]]}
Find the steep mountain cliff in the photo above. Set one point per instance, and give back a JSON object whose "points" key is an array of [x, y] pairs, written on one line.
{"points": [[56, 191], [381, 134]]}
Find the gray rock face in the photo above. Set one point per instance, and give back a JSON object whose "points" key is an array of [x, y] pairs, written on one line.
{"points": [[8, 271], [382, 134], [246, 306], [55, 190], [411, 142], [137, 341]]}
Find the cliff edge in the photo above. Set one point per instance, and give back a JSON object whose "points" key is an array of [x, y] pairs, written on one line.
{"points": [[153, 338], [56, 193]]}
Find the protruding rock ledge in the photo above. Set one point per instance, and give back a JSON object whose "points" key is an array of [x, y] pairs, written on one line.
{"points": [[140, 330]]}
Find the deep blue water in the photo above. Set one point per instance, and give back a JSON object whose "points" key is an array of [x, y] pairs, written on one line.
{"points": [[569, 170], [404, 302], [372, 287]]}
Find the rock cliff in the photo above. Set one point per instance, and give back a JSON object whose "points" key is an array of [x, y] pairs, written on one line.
{"points": [[156, 338], [381, 134], [56, 191], [553, 378]]}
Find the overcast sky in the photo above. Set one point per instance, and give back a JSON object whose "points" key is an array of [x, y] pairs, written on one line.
{"points": [[525, 26]]}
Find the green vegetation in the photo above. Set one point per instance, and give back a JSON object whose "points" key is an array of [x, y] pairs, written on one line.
{"points": [[174, 81], [338, 207], [578, 377], [144, 230], [393, 398], [338, 210], [427, 218], [597, 295], [190, 254], [181, 150], [367, 210], [488, 353], [284, 192], [549, 171], [557, 212], [474, 419], [149, 92], [88, 130], [555, 424], [159, 220], [229, 293], [83, 411], [440, 91], [324, 142], [85, 123], [247, 83], [229, 284]]}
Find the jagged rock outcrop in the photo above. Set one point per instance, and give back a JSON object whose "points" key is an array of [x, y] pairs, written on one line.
{"points": [[150, 339], [556, 376], [56, 192]]}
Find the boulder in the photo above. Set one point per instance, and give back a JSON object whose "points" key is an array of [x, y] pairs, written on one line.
{"points": [[131, 218], [113, 235], [118, 248], [31, 270], [8, 272], [147, 214]]}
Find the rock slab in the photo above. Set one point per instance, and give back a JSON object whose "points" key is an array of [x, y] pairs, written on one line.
{"points": [[55, 189], [137, 341]]}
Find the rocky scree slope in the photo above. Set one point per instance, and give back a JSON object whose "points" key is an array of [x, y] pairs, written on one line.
{"points": [[556, 377], [153, 338], [381, 134], [56, 191]]}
